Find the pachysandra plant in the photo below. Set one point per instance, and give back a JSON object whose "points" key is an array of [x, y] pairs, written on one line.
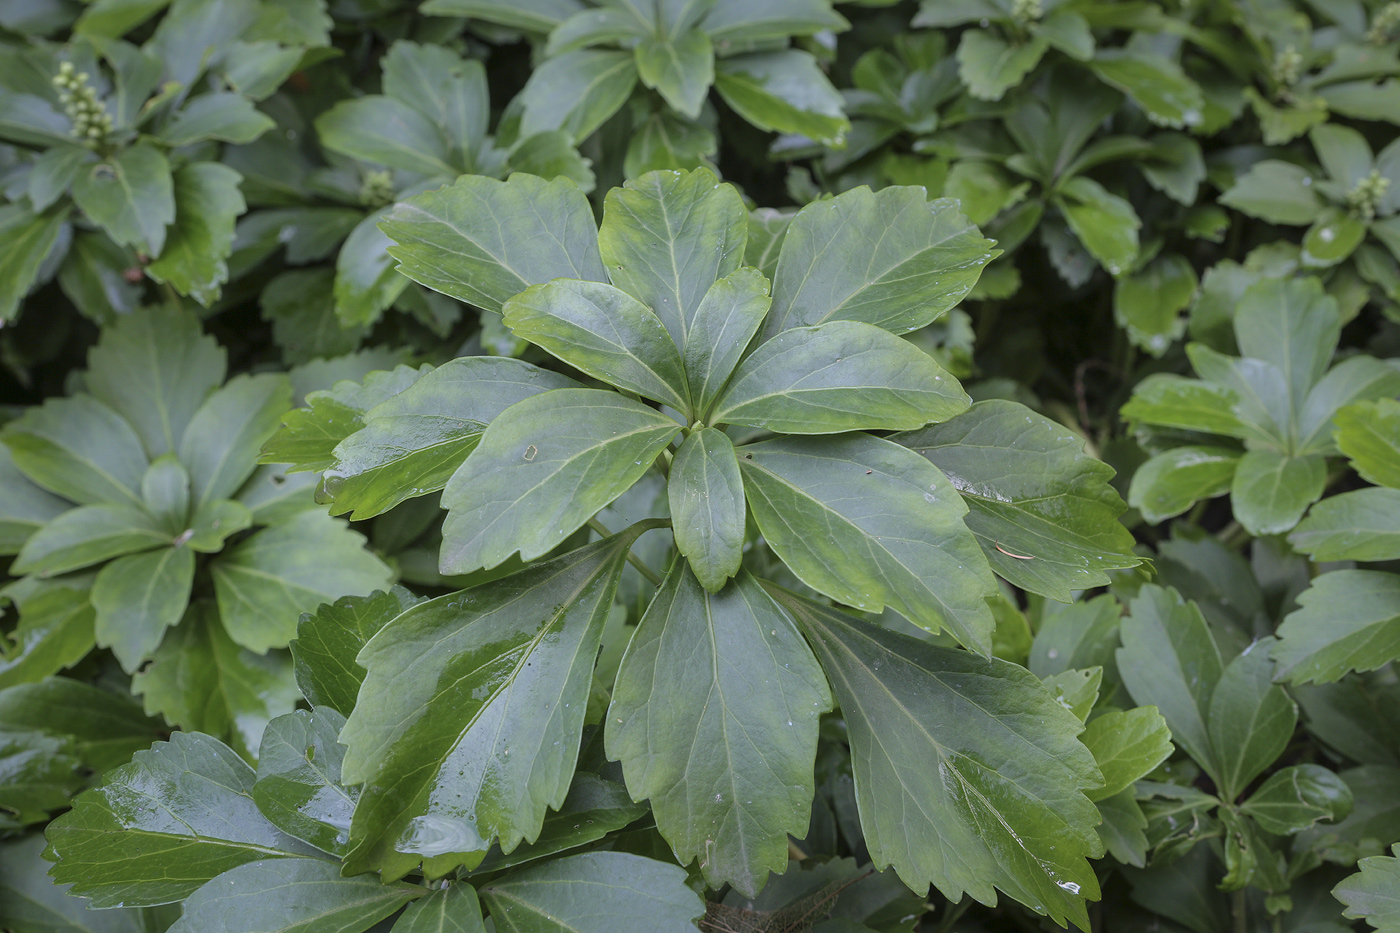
{"points": [[464, 733], [131, 504], [123, 177]]}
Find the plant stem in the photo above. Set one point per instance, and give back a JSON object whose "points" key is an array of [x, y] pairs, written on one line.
{"points": [[1239, 910], [634, 560], [953, 913]]}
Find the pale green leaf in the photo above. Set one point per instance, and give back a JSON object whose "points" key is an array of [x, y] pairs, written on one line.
{"points": [[706, 496], [1347, 620], [1173, 481], [1127, 745]]}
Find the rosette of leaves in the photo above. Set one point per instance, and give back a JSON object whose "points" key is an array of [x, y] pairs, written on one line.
{"points": [[1226, 713], [1308, 64], [598, 55], [428, 125], [755, 404], [1258, 425], [141, 523], [1351, 207], [120, 178]]}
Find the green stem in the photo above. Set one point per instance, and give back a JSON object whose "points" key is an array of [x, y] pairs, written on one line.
{"points": [[171, 295], [1239, 910], [953, 914], [632, 559]]}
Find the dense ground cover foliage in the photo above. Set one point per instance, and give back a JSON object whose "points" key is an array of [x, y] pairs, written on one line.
{"points": [[746, 465]]}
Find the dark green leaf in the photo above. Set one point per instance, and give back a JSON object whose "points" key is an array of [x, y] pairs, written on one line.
{"points": [[131, 196], [871, 524], [31, 903], [265, 582], [596, 892], [839, 376], [1148, 304], [1127, 746], [542, 469], [1250, 721], [604, 332], [715, 716], [1041, 508], [707, 507], [207, 202], [329, 639], [1347, 620], [932, 731], [1369, 433], [889, 258], [386, 131], [1169, 660], [54, 632], [298, 786], [201, 681], [1155, 83], [224, 116], [305, 895], [38, 773], [1106, 224], [576, 92], [94, 277], [1295, 798], [26, 239], [468, 723], [680, 68], [80, 449], [501, 236], [593, 809], [453, 909], [138, 597], [1171, 482], [667, 236], [161, 826]]}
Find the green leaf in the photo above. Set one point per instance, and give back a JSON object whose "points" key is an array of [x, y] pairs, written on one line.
{"points": [[739, 21], [706, 496], [1076, 689], [107, 728], [1296, 797], [26, 239], [1250, 721], [1148, 304], [265, 582], [931, 730], [593, 809], [80, 449], [1373, 893], [838, 376], [1106, 224], [224, 116], [452, 909], [552, 155], [1293, 324], [1271, 491], [413, 442], [366, 281], [668, 141], [305, 895], [385, 131], [783, 91], [1155, 83], [1171, 482], [767, 230], [668, 236], [1169, 660], [872, 524], [89, 535], [54, 632], [329, 639], [576, 92], [300, 304], [1123, 828], [1333, 237], [604, 332], [1076, 636], [451, 91], [220, 446], [542, 469], [714, 716], [680, 69], [1369, 434], [1363, 525], [38, 773], [94, 277], [468, 723], [530, 15], [31, 120], [1359, 378], [24, 507], [161, 826], [30, 901], [1042, 509], [201, 681], [298, 786], [1279, 192], [990, 67], [207, 202], [890, 258], [131, 196], [722, 327], [1178, 402], [595, 892], [1127, 745], [497, 237], [138, 597], [1347, 620], [155, 367]]}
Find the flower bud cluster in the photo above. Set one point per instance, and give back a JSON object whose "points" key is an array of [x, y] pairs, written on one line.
{"points": [[377, 189], [1026, 11], [91, 121], [1386, 24], [1366, 196], [1288, 66]]}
